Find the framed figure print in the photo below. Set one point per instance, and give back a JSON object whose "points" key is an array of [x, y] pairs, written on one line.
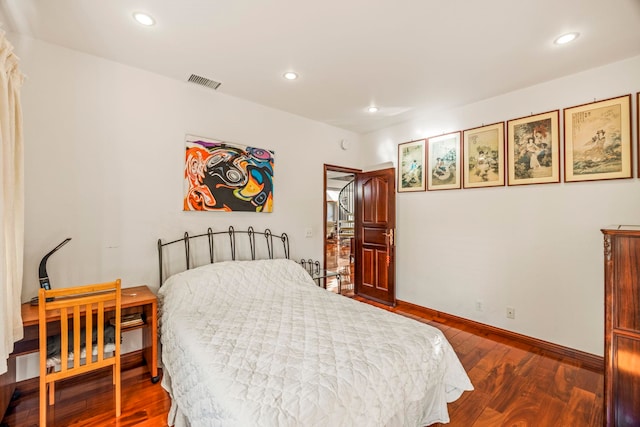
{"points": [[483, 155], [443, 160], [533, 149], [597, 140], [411, 166]]}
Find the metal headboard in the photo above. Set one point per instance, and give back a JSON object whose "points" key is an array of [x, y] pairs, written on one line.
{"points": [[231, 232], [312, 267]]}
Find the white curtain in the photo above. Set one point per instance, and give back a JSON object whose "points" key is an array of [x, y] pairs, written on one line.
{"points": [[11, 201]]}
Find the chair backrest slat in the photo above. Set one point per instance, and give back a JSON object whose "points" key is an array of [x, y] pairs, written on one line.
{"points": [[89, 332], [64, 337], [100, 331], [76, 336]]}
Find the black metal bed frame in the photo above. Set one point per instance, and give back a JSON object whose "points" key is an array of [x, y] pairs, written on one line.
{"points": [[312, 267], [231, 232]]}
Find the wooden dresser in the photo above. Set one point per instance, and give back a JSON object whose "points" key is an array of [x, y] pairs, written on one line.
{"points": [[622, 326]]}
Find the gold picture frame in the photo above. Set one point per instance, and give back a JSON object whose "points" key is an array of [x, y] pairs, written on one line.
{"points": [[411, 158], [443, 160], [597, 140], [533, 149], [483, 154]]}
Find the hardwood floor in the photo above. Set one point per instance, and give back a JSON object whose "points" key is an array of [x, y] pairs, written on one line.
{"points": [[515, 385], [339, 259], [88, 400]]}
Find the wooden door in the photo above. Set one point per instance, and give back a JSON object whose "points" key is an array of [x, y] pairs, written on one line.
{"points": [[375, 235]]}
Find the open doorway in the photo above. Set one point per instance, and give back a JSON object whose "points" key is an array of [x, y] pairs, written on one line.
{"points": [[339, 221]]}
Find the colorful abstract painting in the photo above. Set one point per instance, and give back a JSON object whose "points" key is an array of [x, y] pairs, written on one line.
{"points": [[219, 176]]}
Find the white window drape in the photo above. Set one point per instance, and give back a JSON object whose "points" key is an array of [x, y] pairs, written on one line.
{"points": [[11, 201]]}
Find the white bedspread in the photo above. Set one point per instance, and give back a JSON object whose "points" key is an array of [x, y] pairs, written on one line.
{"points": [[257, 343]]}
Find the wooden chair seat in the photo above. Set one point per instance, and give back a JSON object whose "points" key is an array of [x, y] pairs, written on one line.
{"points": [[56, 361]]}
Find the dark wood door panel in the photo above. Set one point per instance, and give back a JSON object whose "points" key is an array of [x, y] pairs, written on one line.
{"points": [[374, 236], [626, 275], [367, 267], [382, 282], [369, 210], [627, 384], [382, 205], [375, 190]]}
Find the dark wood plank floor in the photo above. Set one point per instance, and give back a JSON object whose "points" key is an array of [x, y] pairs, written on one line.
{"points": [[88, 401], [515, 385]]}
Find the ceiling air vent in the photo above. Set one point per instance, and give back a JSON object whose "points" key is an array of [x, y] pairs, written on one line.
{"points": [[203, 81]]}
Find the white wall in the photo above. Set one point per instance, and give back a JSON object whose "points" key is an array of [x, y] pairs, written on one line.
{"points": [[536, 248], [104, 158]]}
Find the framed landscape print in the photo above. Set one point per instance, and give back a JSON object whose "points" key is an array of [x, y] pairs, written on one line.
{"points": [[443, 160], [597, 140], [533, 149], [411, 166], [483, 155]]}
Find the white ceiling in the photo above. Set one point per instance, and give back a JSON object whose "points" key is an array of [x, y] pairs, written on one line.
{"points": [[408, 57]]}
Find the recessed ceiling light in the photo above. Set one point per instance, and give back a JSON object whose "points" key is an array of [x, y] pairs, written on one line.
{"points": [[144, 19], [373, 109], [290, 75], [566, 38]]}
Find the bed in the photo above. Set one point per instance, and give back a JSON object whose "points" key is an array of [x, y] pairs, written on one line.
{"points": [[257, 343]]}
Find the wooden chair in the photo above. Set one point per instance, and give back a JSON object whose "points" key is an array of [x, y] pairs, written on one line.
{"points": [[62, 309]]}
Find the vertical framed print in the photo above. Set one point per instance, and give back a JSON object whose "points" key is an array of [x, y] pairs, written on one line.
{"points": [[411, 157], [443, 160], [597, 140], [483, 156], [533, 149]]}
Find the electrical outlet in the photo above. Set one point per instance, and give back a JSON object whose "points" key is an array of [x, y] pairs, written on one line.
{"points": [[308, 232], [478, 305], [511, 313]]}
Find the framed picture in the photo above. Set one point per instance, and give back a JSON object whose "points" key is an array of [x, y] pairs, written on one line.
{"points": [[220, 176], [597, 140], [533, 149], [411, 166], [443, 160], [483, 154]]}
